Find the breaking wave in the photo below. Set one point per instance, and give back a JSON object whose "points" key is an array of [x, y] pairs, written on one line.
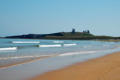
{"points": [[66, 45], [22, 57], [76, 53], [8, 48], [56, 45], [51, 55], [20, 42]]}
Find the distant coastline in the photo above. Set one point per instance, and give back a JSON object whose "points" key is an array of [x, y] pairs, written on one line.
{"points": [[73, 35]]}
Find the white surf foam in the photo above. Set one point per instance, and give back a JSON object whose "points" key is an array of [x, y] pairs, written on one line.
{"points": [[25, 42], [56, 45], [22, 57], [76, 53], [58, 41], [66, 45], [9, 48]]}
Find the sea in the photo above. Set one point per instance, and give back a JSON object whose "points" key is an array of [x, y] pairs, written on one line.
{"points": [[48, 55]]}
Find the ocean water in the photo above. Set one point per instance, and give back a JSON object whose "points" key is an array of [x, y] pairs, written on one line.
{"points": [[12, 50], [57, 53]]}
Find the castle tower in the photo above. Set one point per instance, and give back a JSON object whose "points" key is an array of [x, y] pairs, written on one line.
{"points": [[73, 31]]}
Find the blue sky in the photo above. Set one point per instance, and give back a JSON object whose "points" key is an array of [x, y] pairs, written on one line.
{"points": [[101, 17]]}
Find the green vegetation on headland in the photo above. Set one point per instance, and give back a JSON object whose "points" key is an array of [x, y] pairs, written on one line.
{"points": [[85, 35]]}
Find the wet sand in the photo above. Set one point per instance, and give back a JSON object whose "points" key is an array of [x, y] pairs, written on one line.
{"points": [[103, 68]]}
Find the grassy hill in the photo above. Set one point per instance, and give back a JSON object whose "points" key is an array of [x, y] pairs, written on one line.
{"points": [[69, 35], [76, 34]]}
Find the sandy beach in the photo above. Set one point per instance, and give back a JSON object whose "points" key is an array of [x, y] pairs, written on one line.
{"points": [[103, 68]]}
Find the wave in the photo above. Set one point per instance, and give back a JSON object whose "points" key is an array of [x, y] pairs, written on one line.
{"points": [[56, 45], [76, 53], [66, 45], [25, 42], [22, 57], [51, 55], [58, 41], [9, 48]]}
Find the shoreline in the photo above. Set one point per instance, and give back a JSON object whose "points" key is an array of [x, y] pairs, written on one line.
{"points": [[22, 62], [102, 68]]}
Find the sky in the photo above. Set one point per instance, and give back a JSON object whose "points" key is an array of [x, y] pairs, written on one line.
{"points": [[101, 17]]}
